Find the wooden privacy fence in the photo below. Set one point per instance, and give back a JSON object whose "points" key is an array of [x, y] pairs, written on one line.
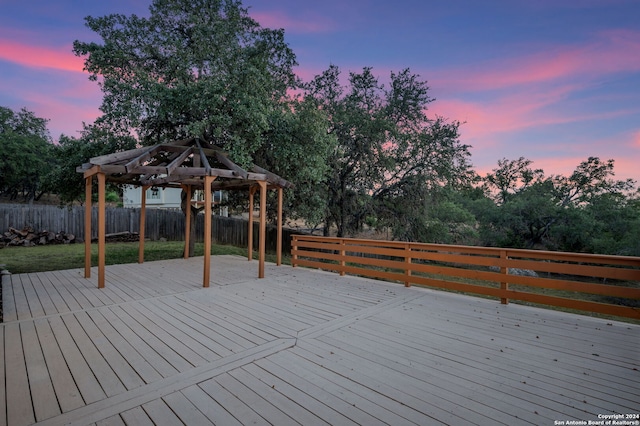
{"points": [[160, 223], [595, 283]]}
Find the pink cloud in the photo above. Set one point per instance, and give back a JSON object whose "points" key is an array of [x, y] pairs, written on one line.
{"points": [[516, 111], [624, 168], [635, 140], [40, 57], [280, 20], [610, 52]]}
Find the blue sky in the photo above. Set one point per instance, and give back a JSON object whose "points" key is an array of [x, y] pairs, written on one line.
{"points": [[554, 81]]}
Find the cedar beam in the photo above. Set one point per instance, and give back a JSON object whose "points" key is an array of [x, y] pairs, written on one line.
{"points": [[187, 233], [252, 192], [88, 181], [143, 219], [279, 240], [101, 229], [207, 230], [263, 227]]}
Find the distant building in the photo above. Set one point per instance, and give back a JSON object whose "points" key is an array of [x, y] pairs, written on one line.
{"points": [[169, 198]]}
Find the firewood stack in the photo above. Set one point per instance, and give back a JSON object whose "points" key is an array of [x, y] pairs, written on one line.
{"points": [[27, 237]]}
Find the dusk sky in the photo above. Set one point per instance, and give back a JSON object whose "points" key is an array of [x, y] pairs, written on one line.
{"points": [[554, 81]]}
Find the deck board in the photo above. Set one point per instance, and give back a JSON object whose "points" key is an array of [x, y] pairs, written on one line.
{"points": [[18, 403], [185, 410], [45, 403], [298, 347], [3, 393], [65, 387], [84, 378], [209, 407]]}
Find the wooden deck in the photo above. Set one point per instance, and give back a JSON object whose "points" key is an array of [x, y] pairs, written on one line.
{"points": [[298, 347]]}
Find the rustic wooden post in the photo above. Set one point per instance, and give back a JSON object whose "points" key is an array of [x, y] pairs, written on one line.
{"points": [[101, 228], [187, 232], [294, 249], [407, 266], [252, 191], [207, 230], [342, 255], [88, 182], [279, 240], [504, 270], [263, 226], [143, 219]]}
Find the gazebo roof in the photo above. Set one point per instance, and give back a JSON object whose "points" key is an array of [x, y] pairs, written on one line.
{"points": [[184, 162]]}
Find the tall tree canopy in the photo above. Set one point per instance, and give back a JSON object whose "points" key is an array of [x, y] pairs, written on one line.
{"points": [[95, 140], [586, 211], [389, 154], [26, 154], [201, 68]]}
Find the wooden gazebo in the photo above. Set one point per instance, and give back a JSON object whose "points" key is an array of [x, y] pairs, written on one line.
{"points": [[189, 164]]}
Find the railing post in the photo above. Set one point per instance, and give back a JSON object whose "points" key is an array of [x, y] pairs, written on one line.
{"points": [[504, 270], [407, 266], [342, 254], [294, 249]]}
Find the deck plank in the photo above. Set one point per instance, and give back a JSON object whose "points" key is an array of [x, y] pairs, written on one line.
{"points": [[209, 407], [62, 288], [231, 403], [343, 387], [128, 352], [66, 391], [161, 414], [3, 390], [20, 298], [137, 416], [175, 333], [214, 336], [185, 410], [30, 293], [505, 361], [128, 316], [250, 398], [412, 409], [221, 327], [297, 347], [111, 421], [83, 376], [9, 312], [306, 385], [428, 394], [58, 301], [121, 367], [162, 330], [147, 352], [230, 308], [45, 403], [280, 402], [48, 307], [19, 406], [321, 411], [109, 381]]}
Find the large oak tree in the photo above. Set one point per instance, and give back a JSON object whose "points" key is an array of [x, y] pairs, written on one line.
{"points": [[206, 69], [390, 157]]}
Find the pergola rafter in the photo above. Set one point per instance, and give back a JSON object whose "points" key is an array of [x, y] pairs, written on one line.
{"points": [[189, 164]]}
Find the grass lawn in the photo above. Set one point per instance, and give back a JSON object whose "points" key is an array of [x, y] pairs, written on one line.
{"points": [[19, 260]]}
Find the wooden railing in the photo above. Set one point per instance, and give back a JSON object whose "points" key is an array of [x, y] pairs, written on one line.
{"points": [[595, 283]]}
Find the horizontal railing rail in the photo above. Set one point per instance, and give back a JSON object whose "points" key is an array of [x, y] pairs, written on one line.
{"points": [[601, 284]]}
